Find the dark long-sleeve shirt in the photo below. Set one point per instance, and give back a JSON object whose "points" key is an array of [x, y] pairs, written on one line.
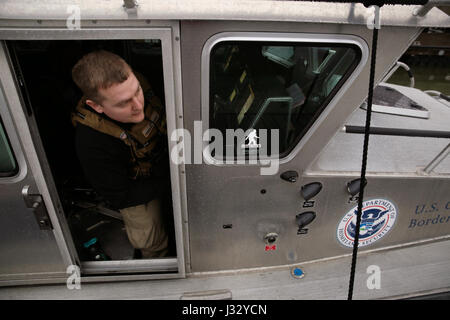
{"points": [[106, 162]]}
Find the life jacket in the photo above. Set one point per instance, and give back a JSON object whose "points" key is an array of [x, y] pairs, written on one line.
{"points": [[146, 139]]}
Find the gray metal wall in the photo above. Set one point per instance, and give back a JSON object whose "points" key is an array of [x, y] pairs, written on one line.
{"points": [[219, 195]]}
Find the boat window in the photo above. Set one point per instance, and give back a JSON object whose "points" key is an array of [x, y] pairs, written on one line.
{"points": [[8, 164], [274, 86]]}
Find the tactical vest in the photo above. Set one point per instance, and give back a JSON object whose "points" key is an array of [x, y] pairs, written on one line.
{"points": [[146, 139]]}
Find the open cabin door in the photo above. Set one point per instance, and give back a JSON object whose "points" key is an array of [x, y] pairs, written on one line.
{"points": [[32, 242], [37, 99]]}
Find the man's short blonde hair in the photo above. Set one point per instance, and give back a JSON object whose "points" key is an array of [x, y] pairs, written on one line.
{"points": [[99, 70]]}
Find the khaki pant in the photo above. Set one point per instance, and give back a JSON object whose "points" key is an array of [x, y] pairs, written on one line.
{"points": [[145, 229]]}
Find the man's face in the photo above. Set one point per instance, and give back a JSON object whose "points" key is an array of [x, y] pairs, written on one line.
{"points": [[123, 102]]}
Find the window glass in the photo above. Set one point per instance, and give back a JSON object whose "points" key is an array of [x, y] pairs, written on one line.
{"points": [[8, 165], [274, 85]]}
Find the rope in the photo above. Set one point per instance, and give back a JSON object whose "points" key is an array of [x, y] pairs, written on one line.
{"points": [[364, 161]]}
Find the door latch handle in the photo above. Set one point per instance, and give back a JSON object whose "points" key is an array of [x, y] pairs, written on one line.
{"points": [[35, 202]]}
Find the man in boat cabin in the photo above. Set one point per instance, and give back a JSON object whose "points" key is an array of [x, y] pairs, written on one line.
{"points": [[122, 146]]}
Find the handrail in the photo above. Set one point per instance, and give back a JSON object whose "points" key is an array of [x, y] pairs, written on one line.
{"points": [[399, 132], [404, 66], [437, 160]]}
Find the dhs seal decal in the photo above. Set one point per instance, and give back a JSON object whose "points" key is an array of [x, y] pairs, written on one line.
{"points": [[377, 218]]}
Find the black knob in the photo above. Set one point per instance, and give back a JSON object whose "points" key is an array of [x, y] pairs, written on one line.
{"points": [[310, 190], [303, 219], [354, 186], [290, 176]]}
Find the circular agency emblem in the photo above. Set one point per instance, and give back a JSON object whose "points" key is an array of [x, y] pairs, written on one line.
{"points": [[377, 218]]}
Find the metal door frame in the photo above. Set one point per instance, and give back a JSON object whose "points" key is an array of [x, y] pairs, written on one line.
{"points": [[168, 33]]}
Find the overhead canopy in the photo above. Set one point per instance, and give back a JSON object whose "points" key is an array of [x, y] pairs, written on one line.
{"points": [[248, 10]]}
